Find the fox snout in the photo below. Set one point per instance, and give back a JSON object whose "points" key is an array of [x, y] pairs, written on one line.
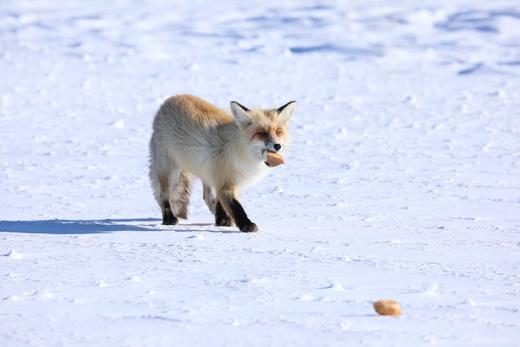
{"points": [[273, 147]]}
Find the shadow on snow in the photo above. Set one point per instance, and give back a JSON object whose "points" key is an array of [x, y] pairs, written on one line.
{"points": [[65, 227]]}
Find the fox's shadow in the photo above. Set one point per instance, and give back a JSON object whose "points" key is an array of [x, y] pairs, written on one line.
{"points": [[74, 227]]}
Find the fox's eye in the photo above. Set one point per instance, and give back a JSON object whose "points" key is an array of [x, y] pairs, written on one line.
{"points": [[279, 132], [262, 133]]}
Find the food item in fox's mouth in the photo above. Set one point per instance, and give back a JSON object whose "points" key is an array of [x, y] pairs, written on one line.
{"points": [[387, 307], [274, 159]]}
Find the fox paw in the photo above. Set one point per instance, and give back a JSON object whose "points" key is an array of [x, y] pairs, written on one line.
{"points": [[169, 219], [249, 228], [223, 222]]}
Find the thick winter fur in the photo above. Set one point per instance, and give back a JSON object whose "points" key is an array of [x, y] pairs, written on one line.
{"points": [[227, 151]]}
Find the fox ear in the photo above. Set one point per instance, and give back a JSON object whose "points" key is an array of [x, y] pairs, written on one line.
{"points": [[241, 113], [286, 111]]}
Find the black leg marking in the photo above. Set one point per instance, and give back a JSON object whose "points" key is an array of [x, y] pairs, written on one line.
{"points": [[240, 216], [221, 217], [168, 218]]}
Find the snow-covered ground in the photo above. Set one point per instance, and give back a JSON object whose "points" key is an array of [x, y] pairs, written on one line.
{"points": [[403, 180]]}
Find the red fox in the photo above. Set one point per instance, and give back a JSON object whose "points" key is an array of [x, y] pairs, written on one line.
{"points": [[193, 138]]}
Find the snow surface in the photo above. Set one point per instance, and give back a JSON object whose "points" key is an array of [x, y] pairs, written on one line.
{"points": [[403, 180]]}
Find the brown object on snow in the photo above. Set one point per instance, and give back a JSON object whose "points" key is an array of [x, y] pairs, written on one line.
{"points": [[387, 307], [274, 159]]}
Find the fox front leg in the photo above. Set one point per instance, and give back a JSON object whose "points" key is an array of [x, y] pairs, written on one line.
{"points": [[228, 200], [222, 219]]}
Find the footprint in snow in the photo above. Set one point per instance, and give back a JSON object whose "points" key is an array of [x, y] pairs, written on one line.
{"points": [[100, 284], [43, 295], [136, 279], [469, 302], [197, 237], [118, 124], [13, 298], [317, 249], [13, 255], [306, 297], [431, 288], [335, 286]]}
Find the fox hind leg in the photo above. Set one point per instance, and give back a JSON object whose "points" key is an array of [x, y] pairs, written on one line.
{"points": [[162, 171], [162, 195], [180, 194]]}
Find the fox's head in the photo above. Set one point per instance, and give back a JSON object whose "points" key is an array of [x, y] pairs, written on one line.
{"points": [[265, 129]]}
